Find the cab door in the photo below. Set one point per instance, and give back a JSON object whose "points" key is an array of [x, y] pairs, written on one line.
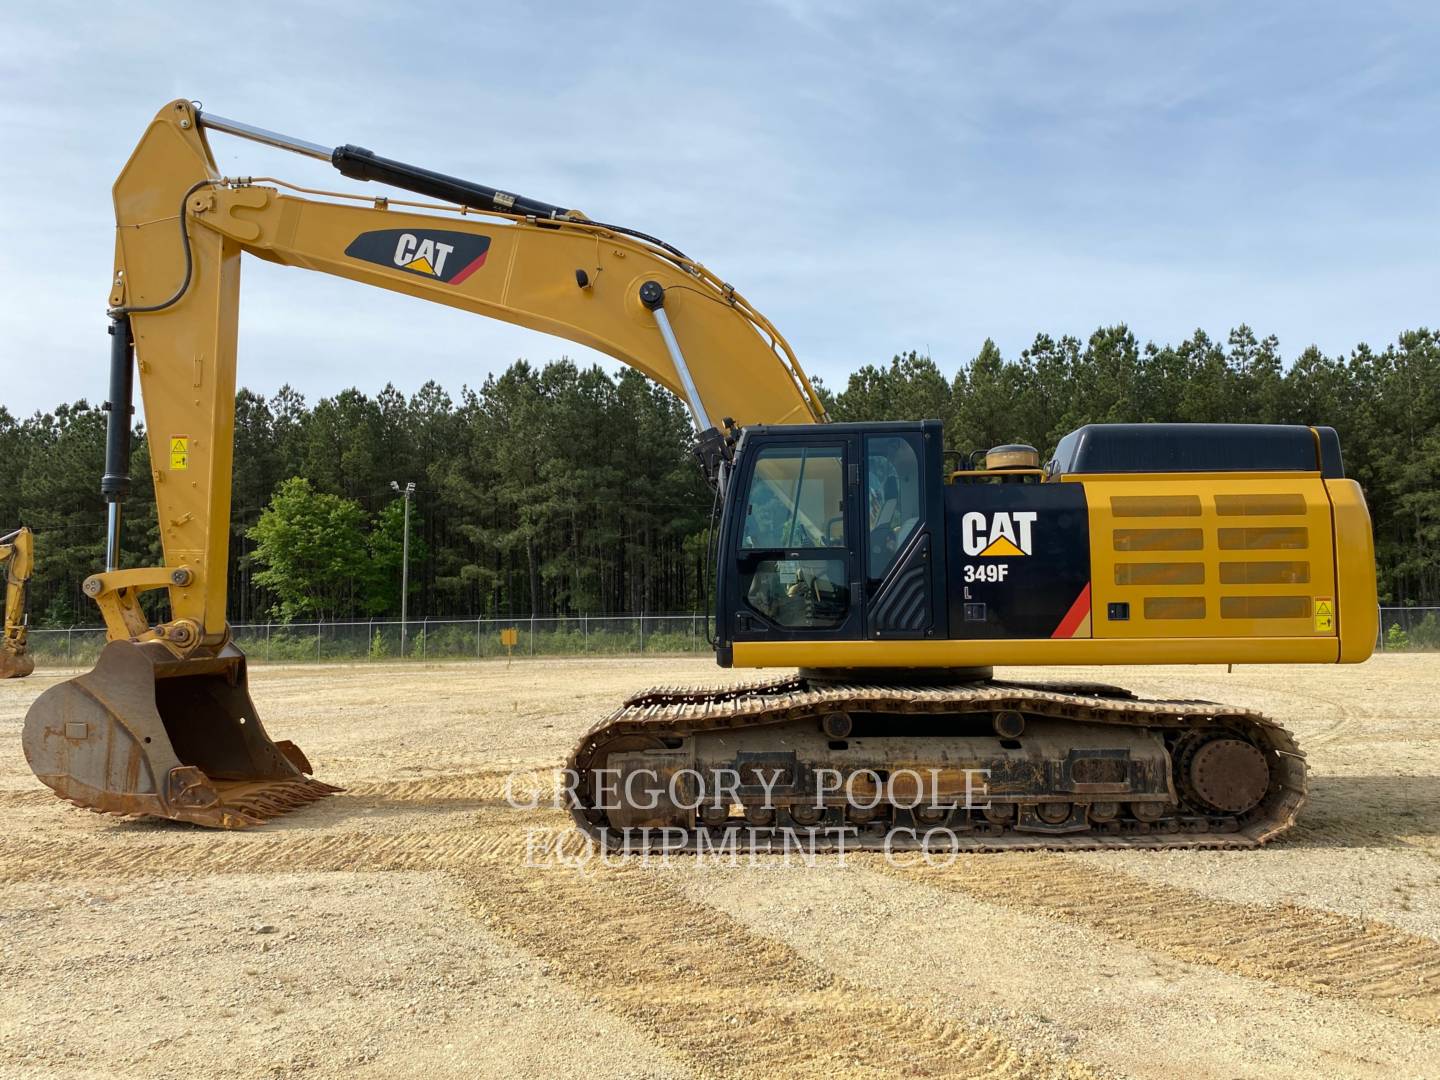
{"points": [[904, 546], [794, 568]]}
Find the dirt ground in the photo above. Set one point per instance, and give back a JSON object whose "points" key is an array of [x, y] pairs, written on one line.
{"points": [[396, 930]]}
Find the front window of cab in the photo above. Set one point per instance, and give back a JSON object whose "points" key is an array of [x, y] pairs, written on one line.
{"points": [[795, 513], [797, 499]]}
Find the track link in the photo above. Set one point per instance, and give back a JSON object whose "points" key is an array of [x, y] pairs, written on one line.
{"points": [[676, 725]]}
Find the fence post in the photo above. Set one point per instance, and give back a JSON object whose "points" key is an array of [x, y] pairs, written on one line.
{"points": [[584, 633], [532, 631], [267, 641], [477, 637], [425, 637], [70, 646]]}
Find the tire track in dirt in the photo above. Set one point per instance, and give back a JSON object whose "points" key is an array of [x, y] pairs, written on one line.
{"points": [[729, 1000], [211, 853], [482, 786], [485, 786], [27, 797], [617, 932], [1349, 718], [1316, 951]]}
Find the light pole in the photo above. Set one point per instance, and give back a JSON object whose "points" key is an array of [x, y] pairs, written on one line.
{"points": [[407, 491]]}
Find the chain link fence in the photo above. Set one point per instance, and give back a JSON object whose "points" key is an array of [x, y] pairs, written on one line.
{"points": [[419, 639], [1401, 630], [1409, 629]]}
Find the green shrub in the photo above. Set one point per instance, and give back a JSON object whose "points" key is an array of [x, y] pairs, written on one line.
{"points": [[1426, 633], [378, 649]]}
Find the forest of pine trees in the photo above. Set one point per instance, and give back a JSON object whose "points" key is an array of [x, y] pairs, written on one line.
{"points": [[564, 489]]}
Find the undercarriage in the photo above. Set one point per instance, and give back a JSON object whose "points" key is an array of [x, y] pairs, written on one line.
{"points": [[817, 762]]}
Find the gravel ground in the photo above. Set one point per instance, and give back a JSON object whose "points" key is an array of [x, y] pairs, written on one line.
{"points": [[396, 930]]}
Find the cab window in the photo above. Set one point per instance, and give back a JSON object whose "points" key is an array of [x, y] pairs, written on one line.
{"points": [[799, 594], [893, 498], [796, 499]]}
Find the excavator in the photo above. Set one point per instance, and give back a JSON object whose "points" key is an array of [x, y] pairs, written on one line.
{"points": [[17, 555], [886, 578]]}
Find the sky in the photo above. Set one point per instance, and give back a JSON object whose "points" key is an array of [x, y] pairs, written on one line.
{"points": [[874, 177]]}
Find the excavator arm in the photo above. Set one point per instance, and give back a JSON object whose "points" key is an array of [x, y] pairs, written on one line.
{"points": [[17, 555], [164, 724], [181, 230]]}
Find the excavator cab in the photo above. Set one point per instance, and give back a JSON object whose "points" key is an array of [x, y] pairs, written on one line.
{"points": [[828, 534]]}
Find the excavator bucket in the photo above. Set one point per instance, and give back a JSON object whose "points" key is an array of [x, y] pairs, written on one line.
{"points": [[146, 734], [15, 665]]}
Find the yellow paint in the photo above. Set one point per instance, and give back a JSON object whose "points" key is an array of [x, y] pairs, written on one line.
{"points": [[1228, 551], [1037, 651], [1001, 547], [421, 265], [1357, 614]]}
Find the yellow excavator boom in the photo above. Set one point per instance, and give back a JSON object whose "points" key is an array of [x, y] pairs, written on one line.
{"points": [[17, 555], [164, 725]]}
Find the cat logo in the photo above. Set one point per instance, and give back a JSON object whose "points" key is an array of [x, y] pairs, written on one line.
{"points": [[423, 256], [1005, 534], [440, 255]]}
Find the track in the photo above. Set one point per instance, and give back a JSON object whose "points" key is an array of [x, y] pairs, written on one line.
{"points": [[677, 730]]}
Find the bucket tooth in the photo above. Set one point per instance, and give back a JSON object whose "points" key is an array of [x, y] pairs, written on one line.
{"points": [[146, 734]]}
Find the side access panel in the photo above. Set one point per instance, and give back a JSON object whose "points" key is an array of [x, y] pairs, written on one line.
{"points": [[1018, 560], [1233, 555]]}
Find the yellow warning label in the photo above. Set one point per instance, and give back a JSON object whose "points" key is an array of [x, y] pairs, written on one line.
{"points": [[1324, 606], [1324, 615], [179, 452], [1001, 547]]}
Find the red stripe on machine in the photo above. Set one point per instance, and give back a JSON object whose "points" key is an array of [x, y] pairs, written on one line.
{"points": [[470, 269], [1075, 616]]}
